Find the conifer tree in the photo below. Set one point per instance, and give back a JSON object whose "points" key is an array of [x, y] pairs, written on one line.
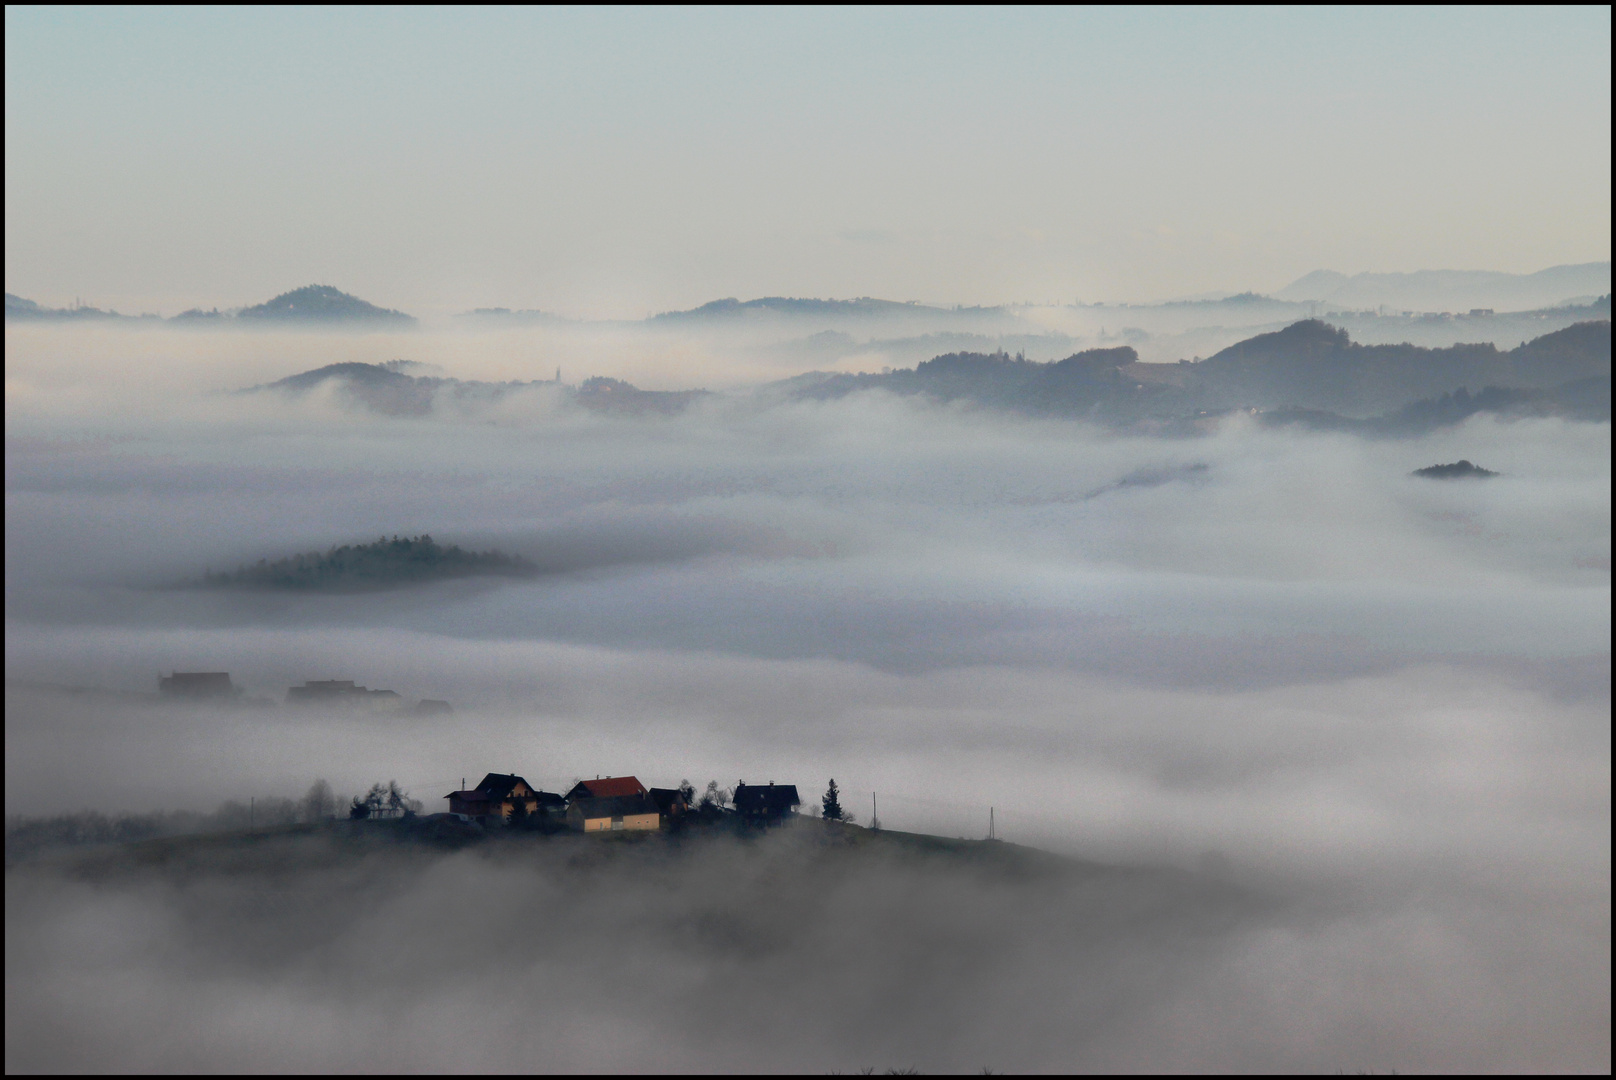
{"points": [[832, 803]]}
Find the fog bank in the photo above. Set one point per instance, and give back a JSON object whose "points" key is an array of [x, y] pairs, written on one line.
{"points": [[1367, 714]]}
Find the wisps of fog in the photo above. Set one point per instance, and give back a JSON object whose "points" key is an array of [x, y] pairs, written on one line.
{"points": [[1376, 707]]}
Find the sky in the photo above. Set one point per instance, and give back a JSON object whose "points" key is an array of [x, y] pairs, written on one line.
{"points": [[614, 163]]}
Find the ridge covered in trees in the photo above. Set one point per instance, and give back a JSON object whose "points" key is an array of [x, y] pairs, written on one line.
{"points": [[380, 565], [1307, 366]]}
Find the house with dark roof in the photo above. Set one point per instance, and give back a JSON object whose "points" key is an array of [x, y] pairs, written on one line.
{"points": [[769, 804], [502, 794], [671, 805]]}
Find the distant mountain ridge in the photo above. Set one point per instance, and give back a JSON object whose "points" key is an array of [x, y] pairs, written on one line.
{"points": [[786, 305], [316, 305], [20, 308], [1452, 290], [1308, 372]]}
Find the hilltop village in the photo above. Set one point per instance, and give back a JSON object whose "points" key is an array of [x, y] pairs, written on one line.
{"points": [[612, 804], [504, 800]]}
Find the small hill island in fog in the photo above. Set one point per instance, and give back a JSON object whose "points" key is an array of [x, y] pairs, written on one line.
{"points": [[384, 564], [1459, 470]]}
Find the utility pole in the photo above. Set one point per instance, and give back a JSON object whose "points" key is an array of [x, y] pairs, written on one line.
{"points": [[875, 819], [991, 836], [252, 811]]}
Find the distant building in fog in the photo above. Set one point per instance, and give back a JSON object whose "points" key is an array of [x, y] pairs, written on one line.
{"points": [[197, 685], [339, 692]]}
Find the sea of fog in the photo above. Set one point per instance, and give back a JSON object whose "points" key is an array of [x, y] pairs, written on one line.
{"points": [[1268, 660]]}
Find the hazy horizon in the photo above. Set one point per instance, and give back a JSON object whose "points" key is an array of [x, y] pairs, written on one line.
{"points": [[574, 161]]}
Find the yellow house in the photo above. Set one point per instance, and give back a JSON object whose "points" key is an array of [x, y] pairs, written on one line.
{"points": [[614, 813]]}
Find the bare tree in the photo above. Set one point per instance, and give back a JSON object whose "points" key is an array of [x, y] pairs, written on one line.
{"points": [[715, 796], [399, 801]]}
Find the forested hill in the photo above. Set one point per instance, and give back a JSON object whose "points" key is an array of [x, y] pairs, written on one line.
{"points": [[1308, 365], [387, 389], [322, 304], [381, 565], [1311, 364]]}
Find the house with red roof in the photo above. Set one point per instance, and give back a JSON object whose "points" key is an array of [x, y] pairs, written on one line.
{"points": [[612, 804], [606, 787]]}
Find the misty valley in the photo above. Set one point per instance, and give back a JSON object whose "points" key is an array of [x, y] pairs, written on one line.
{"points": [[1280, 678]]}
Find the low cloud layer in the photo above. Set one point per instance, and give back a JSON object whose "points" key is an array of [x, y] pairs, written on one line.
{"points": [[776, 955], [1366, 714]]}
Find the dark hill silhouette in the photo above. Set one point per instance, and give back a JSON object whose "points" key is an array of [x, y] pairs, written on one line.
{"points": [[383, 388], [1578, 352], [387, 389], [1308, 372], [384, 564], [1311, 365], [323, 304], [1076, 385], [22, 309], [1459, 470]]}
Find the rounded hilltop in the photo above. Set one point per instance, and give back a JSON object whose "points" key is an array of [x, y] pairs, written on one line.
{"points": [[325, 304]]}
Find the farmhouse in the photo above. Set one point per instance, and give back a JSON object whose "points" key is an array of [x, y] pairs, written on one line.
{"points": [[499, 796], [670, 804], [765, 805], [613, 813]]}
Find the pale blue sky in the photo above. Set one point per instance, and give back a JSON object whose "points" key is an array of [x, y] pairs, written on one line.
{"points": [[617, 162]]}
